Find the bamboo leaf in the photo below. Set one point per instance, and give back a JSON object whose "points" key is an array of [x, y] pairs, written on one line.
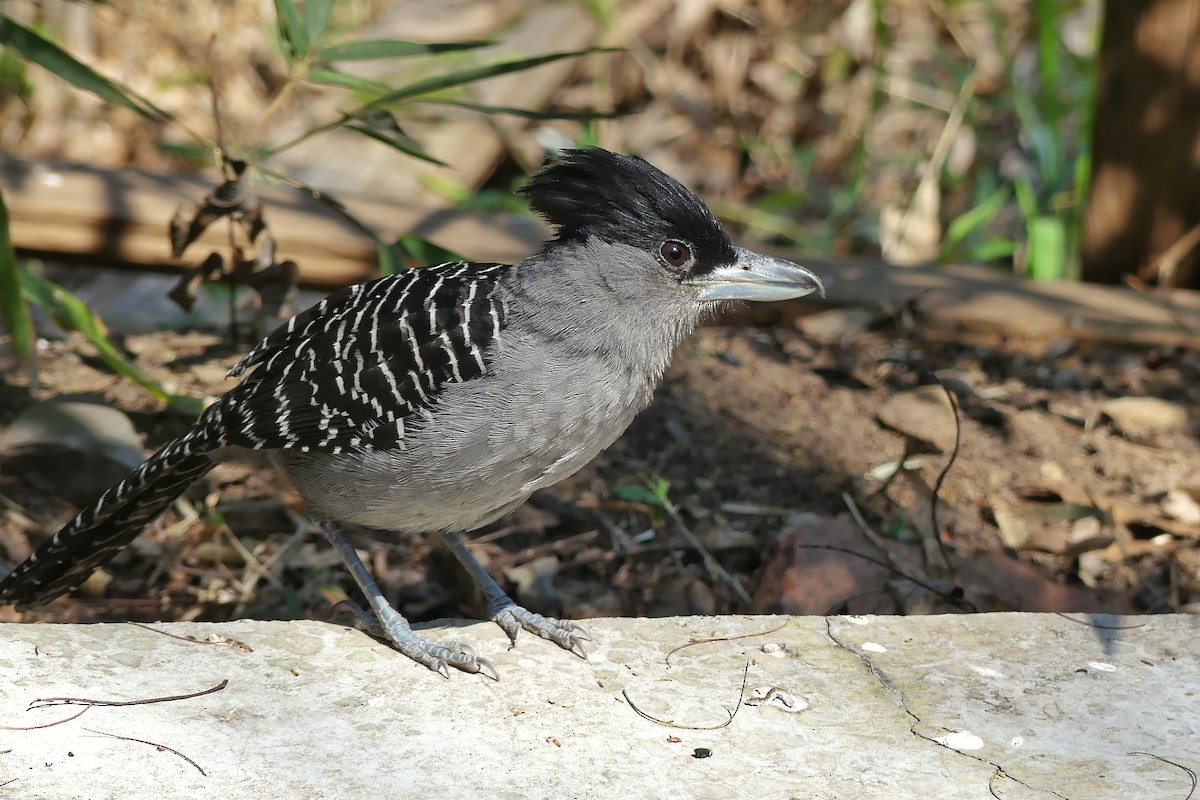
{"points": [[470, 75], [381, 126], [70, 313], [529, 113], [292, 31], [328, 76], [316, 19], [53, 58], [426, 252], [368, 49]]}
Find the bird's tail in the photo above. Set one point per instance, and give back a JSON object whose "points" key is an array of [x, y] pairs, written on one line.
{"points": [[100, 530]]}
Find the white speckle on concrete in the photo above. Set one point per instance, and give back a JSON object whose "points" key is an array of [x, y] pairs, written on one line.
{"points": [[776, 649], [1102, 666], [873, 647], [857, 620], [986, 672], [526, 663], [960, 740], [1016, 742]]}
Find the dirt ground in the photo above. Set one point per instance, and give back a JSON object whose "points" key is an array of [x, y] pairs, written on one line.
{"points": [[768, 449]]}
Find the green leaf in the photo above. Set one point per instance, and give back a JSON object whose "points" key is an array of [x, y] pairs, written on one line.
{"points": [[70, 313], [53, 58], [381, 126], [416, 249], [368, 49], [292, 31], [530, 113], [197, 155], [316, 19], [1047, 254], [328, 76], [13, 308], [635, 494], [969, 222], [994, 249], [470, 75]]}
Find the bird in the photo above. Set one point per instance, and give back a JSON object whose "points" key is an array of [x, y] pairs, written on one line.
{"points": [[436, 400]]}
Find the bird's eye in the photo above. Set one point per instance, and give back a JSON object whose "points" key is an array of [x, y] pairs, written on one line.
{"points": [[675, 253]]}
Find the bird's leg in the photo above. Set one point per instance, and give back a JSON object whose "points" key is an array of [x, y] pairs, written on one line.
{"points": [[395, 628], [511, 617]]}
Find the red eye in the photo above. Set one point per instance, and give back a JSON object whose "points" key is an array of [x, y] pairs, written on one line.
{"points": [[675, 253]]}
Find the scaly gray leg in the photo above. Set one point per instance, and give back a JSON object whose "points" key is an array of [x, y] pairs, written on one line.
{"points": [[511, 617], [395, 628]]}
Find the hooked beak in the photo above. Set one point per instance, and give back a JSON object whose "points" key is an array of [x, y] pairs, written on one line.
{"points": [[754, 276]]}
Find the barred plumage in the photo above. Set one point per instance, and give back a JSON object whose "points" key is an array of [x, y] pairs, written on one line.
{"points": [[350, 370], [343, 375]]}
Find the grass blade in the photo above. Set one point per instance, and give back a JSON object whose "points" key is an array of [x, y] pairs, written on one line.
{"points": [[1047, 248], [13, 308], [973, 220], [53, 58]]}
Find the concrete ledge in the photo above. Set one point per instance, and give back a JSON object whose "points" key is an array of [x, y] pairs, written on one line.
{"points": [[990, 705]]}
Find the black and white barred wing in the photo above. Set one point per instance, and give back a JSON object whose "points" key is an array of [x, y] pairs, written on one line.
{"points": [[351, 370]]}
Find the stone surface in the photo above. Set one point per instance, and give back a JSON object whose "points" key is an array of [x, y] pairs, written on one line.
{"points": [[998, 705]]}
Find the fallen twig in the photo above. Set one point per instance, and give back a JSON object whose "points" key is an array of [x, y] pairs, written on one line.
{"points": [[75, 701], [704, 639], [152, 744], [670, 724]]}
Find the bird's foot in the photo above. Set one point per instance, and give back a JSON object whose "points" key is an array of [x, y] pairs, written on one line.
{"points": [[565, 633], [437, 656]]}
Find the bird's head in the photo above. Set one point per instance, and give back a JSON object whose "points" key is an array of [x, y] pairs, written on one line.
{"points": [[651, 222]]}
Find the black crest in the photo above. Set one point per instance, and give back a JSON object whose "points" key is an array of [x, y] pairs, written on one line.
{"points": [[593, 193]]}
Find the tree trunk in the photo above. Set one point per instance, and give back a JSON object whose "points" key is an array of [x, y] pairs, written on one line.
{"points": [[1145, 194]]}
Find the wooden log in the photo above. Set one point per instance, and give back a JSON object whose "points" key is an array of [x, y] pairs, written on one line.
{"points": [[973, 304], [121, 217]]}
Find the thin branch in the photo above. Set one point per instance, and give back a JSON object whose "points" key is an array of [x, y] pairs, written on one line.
{"points": [[75, 701], [705, 639], [670, 724], [155, 745], [76, 715], [1190, 772]]}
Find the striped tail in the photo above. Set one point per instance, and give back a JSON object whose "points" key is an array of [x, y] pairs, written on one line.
{"points": [[100, 530]]}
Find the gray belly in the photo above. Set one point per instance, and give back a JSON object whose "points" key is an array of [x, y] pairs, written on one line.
{"points": [[488, 445]]}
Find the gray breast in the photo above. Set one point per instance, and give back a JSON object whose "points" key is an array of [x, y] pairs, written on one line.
{"points": [[538, 416]]}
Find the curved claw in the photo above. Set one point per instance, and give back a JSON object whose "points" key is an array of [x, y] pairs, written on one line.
{"points": [[579, 629], [487, 668], [567, 634], [578, 647]]}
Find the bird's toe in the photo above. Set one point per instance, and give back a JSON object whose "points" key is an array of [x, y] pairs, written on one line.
{"points": [[565, 633]]}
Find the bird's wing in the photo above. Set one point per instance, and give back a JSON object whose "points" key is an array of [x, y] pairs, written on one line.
{"points": [[348, 372]]}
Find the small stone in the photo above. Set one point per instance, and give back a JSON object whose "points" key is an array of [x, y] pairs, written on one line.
{"points": [[924, 415], [1133, 415]]}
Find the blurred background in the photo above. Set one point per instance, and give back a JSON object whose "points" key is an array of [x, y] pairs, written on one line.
{"points": [[969, 424]]}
